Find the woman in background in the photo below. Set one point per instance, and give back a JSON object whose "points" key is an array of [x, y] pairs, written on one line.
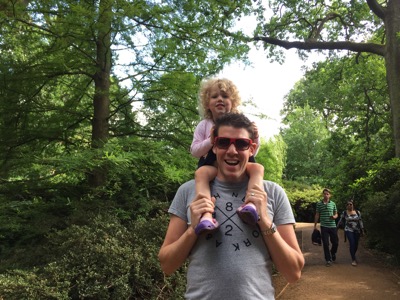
{"points": [[354, 228]]}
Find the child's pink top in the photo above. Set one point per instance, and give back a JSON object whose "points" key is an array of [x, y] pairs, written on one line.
{"points": [[201, 143]]}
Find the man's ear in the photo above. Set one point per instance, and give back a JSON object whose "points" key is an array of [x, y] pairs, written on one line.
{"points": [[252, 149], [214, 149]]}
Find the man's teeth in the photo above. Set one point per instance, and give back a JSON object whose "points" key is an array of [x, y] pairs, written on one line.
{"points": [[232, 162]]}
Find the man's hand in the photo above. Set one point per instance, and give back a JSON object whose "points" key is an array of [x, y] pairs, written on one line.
{"points": [[212, 137], [255, 130], [259, 198], [201, 204]]}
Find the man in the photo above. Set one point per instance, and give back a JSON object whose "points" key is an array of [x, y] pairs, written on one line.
{"points": [[235, 261], [326, 213]]}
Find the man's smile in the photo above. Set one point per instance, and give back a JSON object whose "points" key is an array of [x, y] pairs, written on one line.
{"points": [[232, 162]]}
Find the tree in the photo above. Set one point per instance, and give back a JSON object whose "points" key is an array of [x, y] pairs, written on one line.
{"points": [[305, 137], [271, 155], [93, 62], [352, 99], [360, 26]]}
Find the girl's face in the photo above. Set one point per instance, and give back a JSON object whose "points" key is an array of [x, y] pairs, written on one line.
{"points": [[219, 102]]}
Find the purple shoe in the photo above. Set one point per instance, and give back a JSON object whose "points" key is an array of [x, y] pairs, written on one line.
{"points": [[206, 225], [248, 213]]}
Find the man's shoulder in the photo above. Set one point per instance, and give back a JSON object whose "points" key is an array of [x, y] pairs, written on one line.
{"points": [[271, 185], [188, 184]]}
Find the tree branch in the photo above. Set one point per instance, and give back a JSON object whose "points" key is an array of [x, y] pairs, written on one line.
{"points": [[351, 46], [376, 8]]}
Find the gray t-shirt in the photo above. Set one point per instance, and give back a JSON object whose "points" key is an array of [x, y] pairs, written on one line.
{"points": [[232, 262]]}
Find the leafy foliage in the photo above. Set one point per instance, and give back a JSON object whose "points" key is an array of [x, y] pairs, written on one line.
{"points": [[102, 259], [303, 198], [353, 103], [379, 198], [306, 139], [64, 239], [272, 156]]}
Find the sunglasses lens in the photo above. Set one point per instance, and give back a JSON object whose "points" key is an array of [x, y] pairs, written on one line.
{"points": [[242, 144], [223, 143]]}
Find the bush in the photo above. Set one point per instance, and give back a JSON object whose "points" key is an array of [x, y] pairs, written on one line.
{"points": [[148, 281], [102, 259], [303, 199], [95, 260], [20, 284], [381, 206], [382, 212]]}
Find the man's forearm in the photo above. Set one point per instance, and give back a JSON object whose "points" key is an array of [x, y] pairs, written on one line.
{"points": [[172, 256]]}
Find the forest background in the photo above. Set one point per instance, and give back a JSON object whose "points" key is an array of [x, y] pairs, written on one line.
{"points": [[93, 147]]}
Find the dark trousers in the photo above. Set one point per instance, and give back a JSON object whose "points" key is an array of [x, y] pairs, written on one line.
{"points": [[327, 234], [353, 238]]}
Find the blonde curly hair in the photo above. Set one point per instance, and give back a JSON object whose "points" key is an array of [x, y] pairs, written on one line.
{"points": [[224, 85]]}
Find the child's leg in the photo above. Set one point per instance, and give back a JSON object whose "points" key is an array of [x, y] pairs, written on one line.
{"points": [[203, 176], [248, 212], [256, 174]]}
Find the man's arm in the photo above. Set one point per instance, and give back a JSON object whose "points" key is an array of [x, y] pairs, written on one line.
{"points": [[178, 242], [282, 245], [316, 219], [180, 238], [335, 214], [285, 251]]}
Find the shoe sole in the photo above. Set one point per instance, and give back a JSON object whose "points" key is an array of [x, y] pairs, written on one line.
{"points": [[206, 225], [248, 214]]}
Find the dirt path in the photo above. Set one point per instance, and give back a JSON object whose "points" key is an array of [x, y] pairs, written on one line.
{"points": [[371, 279]]}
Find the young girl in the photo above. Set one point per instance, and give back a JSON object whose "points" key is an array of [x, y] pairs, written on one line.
{"points": [[217, 97]]}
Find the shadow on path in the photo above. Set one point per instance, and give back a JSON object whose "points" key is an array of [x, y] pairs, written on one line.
{"points": [[369, 280]]}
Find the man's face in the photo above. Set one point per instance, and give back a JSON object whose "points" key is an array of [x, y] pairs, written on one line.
{"points": [[232, 163], [326, 195]]}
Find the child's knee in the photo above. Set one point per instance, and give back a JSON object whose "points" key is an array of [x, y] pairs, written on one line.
{"points": [[208, 172], [255, 169]]}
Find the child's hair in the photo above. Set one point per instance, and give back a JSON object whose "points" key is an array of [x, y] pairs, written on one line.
{"points": [[224, 85]]}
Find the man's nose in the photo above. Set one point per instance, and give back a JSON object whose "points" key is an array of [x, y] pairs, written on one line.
{"points": [[232, 148]]}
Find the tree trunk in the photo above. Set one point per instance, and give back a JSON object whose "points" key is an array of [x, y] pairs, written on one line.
{"points": [[101, 99], [392, 59]]}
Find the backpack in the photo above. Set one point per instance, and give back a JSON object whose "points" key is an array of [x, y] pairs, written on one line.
{"points": [[316, 237], [342, 221]]}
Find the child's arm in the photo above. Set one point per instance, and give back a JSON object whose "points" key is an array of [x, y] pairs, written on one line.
{"points": [[201, 143]]}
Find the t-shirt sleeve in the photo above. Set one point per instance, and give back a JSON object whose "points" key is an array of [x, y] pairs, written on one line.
{"points": [[279, 206], [180, 204]]}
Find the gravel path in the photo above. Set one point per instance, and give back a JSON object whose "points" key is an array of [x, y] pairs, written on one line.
{"points": [[371, 279]]}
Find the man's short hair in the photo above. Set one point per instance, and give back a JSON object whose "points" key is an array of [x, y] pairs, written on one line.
{"points": [[235, 120], [326, 190]]}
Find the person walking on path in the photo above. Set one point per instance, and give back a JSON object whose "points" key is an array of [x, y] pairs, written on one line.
{"points": [[326, 213], [353, 228]]}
